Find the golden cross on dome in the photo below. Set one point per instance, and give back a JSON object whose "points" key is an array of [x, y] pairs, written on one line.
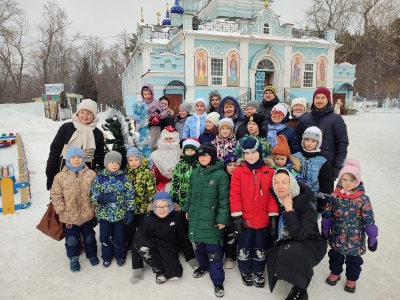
{"points": [[158, 17], [266, 4], [167, 6], [141, 12]]}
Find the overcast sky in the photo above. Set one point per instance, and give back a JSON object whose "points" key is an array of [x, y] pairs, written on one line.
{"points": [[104, 18]]}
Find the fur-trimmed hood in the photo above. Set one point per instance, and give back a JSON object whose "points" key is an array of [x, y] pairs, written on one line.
{"points": [[269, 161]]}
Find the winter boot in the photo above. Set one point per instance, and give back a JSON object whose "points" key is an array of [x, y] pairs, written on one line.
{"points": [[247, 279], [160, 278], [259, 280], [297, 293], [229, 263], [219, 291], [74, 264], [350, 286], [121, 262], [106, 264], [199, 273], [332, 279], [94, 261]]}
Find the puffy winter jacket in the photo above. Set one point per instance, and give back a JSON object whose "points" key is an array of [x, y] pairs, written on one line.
{"points": [[207, 204], [238, 118], [250, 195], [181, 181], [266, 107], [70, 195], [334, 133]]}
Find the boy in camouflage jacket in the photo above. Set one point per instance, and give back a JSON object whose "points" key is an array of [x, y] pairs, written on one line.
{"points": [[144, 184], [114, 195], [183, 171]]}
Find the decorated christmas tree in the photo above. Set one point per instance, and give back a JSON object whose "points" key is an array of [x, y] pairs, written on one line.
{"points": [[141, 133]]}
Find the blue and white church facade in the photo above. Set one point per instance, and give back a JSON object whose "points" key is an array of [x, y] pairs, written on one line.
{"points": [[236, 49]]}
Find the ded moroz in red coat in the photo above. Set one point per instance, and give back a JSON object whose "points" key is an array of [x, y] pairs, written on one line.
{"points": [[250, 195]]}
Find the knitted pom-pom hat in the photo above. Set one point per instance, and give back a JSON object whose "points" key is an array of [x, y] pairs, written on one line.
{"points": [[351, 166], [282, 146]]}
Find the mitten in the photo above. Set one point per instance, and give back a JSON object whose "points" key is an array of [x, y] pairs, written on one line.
{"points": [[322, 199], [193, 263], [155, 120], [237, 222], [326, 228], [129, 217], [273, 226], [107, 198], [372, 232], [137, 275], [335, 172]]}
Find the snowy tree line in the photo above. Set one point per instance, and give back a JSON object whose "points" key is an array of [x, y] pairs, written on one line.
{"points": [[84, 64]]}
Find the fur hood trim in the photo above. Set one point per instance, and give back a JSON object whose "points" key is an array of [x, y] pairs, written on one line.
{"points": [[296, 163]]}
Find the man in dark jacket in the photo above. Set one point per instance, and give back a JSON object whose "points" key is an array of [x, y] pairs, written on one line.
{"points": [[269, 101], [334, 131]]}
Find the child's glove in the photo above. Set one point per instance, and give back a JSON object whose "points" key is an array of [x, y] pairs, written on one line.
{"points": [[237, 222], [155, 120], [193, 263], [372, 232], [335, 172], [107, 198], [322, 199], [326, 228], [273, 227], [129, 217], [137, 275]]}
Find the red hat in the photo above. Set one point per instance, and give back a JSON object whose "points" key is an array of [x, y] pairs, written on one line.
{"points": [[325, 91]]}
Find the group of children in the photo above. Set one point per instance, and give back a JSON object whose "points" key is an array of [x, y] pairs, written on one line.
{"points": [[216, 199]]}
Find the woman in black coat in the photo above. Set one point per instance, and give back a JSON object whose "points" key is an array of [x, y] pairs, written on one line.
{"points": [[81, 132], [300, 246]]}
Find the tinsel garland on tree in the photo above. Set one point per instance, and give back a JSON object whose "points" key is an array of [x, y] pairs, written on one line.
{"points": [[141, 133]]}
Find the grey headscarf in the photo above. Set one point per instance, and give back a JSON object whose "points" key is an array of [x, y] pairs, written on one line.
{"points": [[294, 186]]}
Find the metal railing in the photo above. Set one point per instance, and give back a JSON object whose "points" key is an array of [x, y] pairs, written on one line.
{"points": [[245, 97], [217, 26], [303, 33], [288, 97]]}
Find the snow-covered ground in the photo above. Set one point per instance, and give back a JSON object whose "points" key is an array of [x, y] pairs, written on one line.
{"points": [[32, 266]]}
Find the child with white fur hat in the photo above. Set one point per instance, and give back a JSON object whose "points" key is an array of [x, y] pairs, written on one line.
{"points": [[225, 141], [348, 218], [195, 124], [298, 108], [315, 168], [211, 128]]}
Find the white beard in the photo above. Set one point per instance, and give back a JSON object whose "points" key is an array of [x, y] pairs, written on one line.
{"points": [[166, 158]]}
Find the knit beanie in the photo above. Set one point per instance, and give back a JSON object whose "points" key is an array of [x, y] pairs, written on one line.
{"points": [[280, 107], [186, 106], [225, 122], [351, 166], [88, 104], [256, 118], [230, 158], [302, 101], [314, 133], [163, 196], [74, 151], [214, 93], [191, 143], [282, 146], [213, 117], [209, 149], [270, 88], [134, 152], [251, 144], [112, 156], [325, 91], [201, 100], [253, 103]]}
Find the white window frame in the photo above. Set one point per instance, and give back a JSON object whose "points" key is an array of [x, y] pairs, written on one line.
{"points": [[266, 26], [222, 74], [307, 81]]}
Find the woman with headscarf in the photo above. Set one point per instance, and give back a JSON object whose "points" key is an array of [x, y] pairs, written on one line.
{"points": [[81, 132]]}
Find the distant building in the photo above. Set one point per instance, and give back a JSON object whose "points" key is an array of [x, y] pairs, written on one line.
{"points": [[237, 50]]}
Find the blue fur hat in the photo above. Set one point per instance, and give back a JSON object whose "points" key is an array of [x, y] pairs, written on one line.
{"points": [[163, 196], [74, 151]]}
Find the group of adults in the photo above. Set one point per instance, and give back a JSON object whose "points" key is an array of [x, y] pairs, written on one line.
{"points": [[292, 260]]}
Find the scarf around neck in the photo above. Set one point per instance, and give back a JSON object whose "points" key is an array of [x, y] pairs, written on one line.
{"points": [[273, 130], [83, 138]]}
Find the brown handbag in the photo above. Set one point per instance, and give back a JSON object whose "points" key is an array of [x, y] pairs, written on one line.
{"points": [[50, 224]]}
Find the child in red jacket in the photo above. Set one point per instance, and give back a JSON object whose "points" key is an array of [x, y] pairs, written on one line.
{"points": [[252, 207]]}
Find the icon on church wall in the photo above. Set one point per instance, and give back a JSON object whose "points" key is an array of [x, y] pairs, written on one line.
{"points": [[200, 67], [233, 77], [297, 65], [321, 71]]}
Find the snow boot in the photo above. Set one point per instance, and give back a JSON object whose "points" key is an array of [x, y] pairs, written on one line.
{"points": [[74, 264], [332, 279], [199, 273], [350, 286], [247, 279], [94, 261], [229, 263], [106, 264], [160, 278], [121, 262], [259, 280], [297, 293], [219, 291]]}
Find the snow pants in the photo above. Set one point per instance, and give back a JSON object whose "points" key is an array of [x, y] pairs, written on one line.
{"points": [[210, 259], [112, 239], [353, 264], [72, 239]]}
